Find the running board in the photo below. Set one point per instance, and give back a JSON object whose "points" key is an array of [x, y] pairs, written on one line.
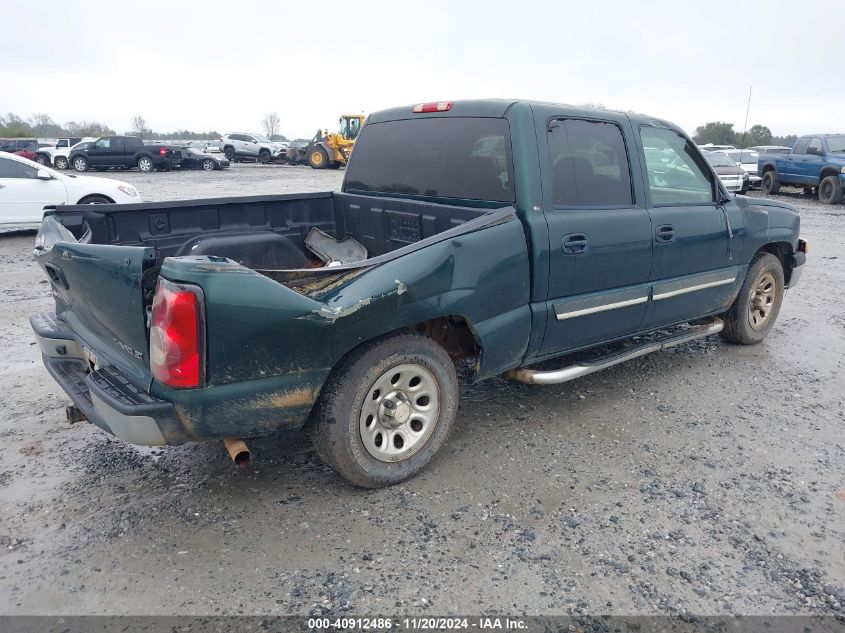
{"points": [[582, 368]]}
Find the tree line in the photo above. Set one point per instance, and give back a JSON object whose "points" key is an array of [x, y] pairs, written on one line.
{"points": [[41, 125], [721, 133]]}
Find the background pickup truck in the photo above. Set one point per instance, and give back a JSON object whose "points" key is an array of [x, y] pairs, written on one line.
{"points": [[816, 161], [124, 152], [502, 233]]}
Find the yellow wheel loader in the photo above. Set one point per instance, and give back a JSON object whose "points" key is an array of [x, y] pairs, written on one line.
{"points": [[333, 149]]}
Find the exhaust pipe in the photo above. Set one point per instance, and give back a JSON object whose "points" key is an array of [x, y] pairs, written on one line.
{"points": [[238, 452]]}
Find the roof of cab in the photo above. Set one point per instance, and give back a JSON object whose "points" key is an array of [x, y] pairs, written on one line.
{"points": [[497, 108]]}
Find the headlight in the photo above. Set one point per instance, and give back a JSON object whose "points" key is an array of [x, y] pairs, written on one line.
{"points": [[842, 170], [745, 176], [129, 191]]}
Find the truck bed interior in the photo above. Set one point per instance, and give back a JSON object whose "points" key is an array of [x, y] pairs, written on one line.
{"points": [[265, 233]]}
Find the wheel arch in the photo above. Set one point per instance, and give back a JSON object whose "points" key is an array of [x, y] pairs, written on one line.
{"points": [[83, 199], [783, 251], [828, 171]]}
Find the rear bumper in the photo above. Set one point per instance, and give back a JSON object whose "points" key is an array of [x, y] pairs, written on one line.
{"points": [[104, 395]]}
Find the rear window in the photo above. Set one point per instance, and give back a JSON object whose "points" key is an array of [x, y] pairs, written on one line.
{"points": [[467, 158]]}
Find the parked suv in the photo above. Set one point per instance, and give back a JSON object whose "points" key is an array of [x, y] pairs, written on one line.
{"points": [[249, 146]]}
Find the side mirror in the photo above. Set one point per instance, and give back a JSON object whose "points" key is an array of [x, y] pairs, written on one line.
{"points": [[814, 150], [43, 175]]}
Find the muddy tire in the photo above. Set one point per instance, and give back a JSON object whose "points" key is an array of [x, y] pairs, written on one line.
{"points": [[317, 158], [830, 190], [770, 184], [386, 410], [756, 307]]}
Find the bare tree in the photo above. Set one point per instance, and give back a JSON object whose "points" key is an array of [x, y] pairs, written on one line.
{"points": [[270, 123], [139, 126]]}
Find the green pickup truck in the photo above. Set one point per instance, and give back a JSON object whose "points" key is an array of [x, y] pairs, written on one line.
{"points": [[501, 233]]}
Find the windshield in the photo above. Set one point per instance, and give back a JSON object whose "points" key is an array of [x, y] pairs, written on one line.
{"points": [[836, 143], [261, 139], [719, 160], [743, 156]]}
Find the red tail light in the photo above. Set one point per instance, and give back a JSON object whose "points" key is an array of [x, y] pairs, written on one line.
{"points": [[434, 106], [162, 151], [177, 336]]}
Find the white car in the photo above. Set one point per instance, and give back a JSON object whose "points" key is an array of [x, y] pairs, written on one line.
{"points": [[27, 187], [747, 159]]}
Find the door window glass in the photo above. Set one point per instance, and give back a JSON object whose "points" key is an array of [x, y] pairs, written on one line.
{"points": [[459, 157], [14, 169], [815, 147], [589, 164], [102, 143], [801, 146], [677, 173]]}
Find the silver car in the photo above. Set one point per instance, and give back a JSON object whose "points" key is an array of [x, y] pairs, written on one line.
{"points": [[251, 146]]}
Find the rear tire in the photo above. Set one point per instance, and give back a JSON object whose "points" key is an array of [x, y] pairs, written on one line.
{"points": [[208, 164], [41, 159], [830, 190], [317, 158], [770, 185], [61, 162], [145, 164], [386, 410], [756, 307], [80, 163]]}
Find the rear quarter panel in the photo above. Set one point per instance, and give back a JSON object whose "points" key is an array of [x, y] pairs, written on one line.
{"points": [[270, 349]]}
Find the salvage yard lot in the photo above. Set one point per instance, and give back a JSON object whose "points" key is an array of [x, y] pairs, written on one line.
{"points": [[708, 478]]}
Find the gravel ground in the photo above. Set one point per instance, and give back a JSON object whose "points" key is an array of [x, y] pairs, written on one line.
{"points": [[705, 479]]}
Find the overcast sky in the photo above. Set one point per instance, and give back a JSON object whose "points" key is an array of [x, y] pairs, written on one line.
{"points": [[223, 64]]}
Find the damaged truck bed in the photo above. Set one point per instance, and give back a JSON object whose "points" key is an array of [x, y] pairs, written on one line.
{"points": [[277, 316]]}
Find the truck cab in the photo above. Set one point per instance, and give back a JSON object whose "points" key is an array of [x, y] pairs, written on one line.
{"points": [[816, 163]]}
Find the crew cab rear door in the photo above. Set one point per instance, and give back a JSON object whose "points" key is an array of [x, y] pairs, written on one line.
{"points": [[599, 228]]}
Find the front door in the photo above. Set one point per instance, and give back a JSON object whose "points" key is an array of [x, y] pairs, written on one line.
{"points": [[599, 230], [697, 232]]}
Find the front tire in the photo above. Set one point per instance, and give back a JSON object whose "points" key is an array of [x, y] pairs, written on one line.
{"points": [[145, 164], [755, 309], [264, 157], [61, 162], [229, 153], [96, 199], [386, 410], [317, 158], [80, 163], [770, 185], [41, 159], [830, 190], [208, 164]]}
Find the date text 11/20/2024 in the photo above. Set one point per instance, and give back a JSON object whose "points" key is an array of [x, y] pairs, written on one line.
{"points": [[417, 624]]}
